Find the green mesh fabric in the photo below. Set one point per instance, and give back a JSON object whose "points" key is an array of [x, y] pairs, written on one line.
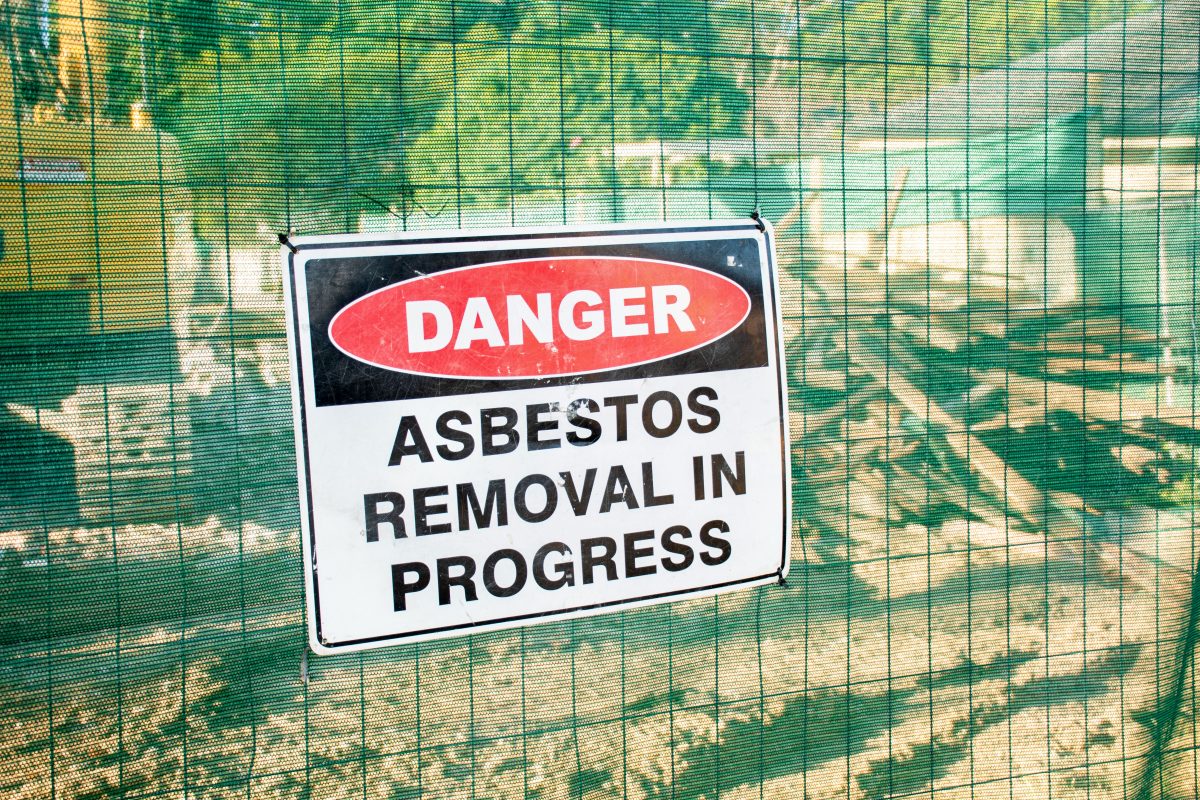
{"points": [[987, 224]]}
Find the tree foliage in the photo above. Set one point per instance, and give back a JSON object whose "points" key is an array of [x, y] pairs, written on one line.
{"points": [[874, 52], [390, 102]]}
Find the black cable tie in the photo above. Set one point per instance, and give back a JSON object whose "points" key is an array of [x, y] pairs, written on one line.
{"points": [[287, 242], [783, 581], [756, 215]]}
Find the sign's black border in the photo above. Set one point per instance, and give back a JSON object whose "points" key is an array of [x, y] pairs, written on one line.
{"points": [[772, 284]]}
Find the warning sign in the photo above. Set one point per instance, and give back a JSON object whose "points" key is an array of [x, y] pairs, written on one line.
{"points": [[497, 428]]}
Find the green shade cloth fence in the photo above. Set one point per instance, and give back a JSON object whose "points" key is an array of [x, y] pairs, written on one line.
{"points": [[987, 220]]}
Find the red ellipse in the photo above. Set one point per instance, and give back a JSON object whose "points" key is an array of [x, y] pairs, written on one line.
{"points": [[572, 331]]}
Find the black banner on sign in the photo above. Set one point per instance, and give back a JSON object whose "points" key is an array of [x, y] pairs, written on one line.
{"points": [[335, 283]]}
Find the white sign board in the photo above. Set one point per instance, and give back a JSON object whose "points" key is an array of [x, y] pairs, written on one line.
{"points": [[495, 428]]}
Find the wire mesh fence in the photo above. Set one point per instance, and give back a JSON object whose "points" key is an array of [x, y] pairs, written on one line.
{"points": [[986, 217]]}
